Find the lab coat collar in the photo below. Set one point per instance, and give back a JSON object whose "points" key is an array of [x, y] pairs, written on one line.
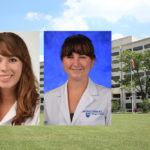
{"points": [[10, 115], [64, 106], [92, 90], [87, 98]]}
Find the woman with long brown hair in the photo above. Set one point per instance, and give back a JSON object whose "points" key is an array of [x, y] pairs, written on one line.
{"points": [[19, 97]]}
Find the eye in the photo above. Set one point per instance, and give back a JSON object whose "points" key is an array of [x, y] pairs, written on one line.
{"points": [[12, 59]]}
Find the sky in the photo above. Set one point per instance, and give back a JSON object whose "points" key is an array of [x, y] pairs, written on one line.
{"points": [[122, 17]]}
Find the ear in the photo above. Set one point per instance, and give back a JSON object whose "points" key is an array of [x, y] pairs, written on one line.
{"points": [[92, 63]]}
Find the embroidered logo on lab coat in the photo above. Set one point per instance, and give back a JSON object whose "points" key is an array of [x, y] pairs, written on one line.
{"points": [[88, 113]]}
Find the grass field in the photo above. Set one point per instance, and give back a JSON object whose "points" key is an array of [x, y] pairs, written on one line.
{"points": [[128, 132]]}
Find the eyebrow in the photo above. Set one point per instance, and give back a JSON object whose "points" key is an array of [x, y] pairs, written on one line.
{"points": [[11, 56]]}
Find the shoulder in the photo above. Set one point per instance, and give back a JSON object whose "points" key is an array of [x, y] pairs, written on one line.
{"points": [[54, 92], [102, 88], [97, 89]]}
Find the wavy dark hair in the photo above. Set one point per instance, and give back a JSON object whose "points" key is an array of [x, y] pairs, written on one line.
{"points": [[80, 44], [27, 92]]}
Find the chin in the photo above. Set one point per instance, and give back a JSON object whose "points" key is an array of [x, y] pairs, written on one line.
{"points": [[7, 86]]}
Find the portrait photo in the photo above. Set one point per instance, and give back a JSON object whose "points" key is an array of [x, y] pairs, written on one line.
{"points": [[77, 77], [19, 78]]}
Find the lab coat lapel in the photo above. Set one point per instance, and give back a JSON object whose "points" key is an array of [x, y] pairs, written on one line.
{"points": [[64, 104], [10, 115], [87, 98]]}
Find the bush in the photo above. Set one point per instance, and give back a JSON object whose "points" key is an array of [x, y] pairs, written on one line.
{"points": [[145, 105], [115, 106]]}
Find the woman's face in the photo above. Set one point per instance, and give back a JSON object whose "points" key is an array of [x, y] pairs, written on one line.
{"points": [[77, 66], [10, 71]]}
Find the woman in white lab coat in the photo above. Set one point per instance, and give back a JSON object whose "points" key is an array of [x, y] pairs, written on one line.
{"points": [[19, 98], [79, 101]]}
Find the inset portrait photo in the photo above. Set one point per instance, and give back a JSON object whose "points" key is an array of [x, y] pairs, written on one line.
{"points": [[77, 77], [19, 78]]}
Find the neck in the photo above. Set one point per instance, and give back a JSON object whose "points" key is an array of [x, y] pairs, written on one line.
{"points": [[7, 96], [78, 85]]}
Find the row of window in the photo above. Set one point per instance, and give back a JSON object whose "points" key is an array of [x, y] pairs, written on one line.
{"points": [[128, 95], [138, 48], [140, 73]]}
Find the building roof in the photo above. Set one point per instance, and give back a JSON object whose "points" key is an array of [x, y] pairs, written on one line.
{"points": [[123, 41]]}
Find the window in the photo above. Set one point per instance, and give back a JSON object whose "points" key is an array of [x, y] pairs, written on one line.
{"points": [[127, 49], [41, 73], [41, 67], [115, 54], [41, 85], [138, 48], [115, 77], [115, 61], [147, 72], [128, 96], [42, 92], [115, 85], [116, 95], [42, 100], [41, 79], [138, 95], [127, 76], [115, 69], [146, 46], [128, 105], [141, 73], [138, 105]]}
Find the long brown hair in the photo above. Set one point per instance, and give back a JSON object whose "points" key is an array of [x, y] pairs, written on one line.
{"points": [[27, 94]]}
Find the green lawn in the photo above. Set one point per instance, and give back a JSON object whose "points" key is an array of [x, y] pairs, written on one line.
{"points": [[128, 132]]}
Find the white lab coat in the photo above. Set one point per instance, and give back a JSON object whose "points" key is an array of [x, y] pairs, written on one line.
{"points": [[94, 107], [6, 121]]}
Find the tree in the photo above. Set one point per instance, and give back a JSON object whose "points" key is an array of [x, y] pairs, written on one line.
{"points": [[141, 81], [145, 105], [115, 106]]}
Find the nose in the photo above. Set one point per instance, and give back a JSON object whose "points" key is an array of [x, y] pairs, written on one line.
{"points": [[3, 66], [76, 61]]}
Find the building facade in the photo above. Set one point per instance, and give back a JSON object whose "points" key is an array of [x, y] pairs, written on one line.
{"points": [[119, 45]]}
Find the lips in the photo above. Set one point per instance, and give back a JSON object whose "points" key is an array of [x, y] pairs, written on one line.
{"points": [[76, 68], [5, 78]]}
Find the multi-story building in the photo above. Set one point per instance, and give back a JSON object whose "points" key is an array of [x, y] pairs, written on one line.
{"points": [[119, 45]]}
